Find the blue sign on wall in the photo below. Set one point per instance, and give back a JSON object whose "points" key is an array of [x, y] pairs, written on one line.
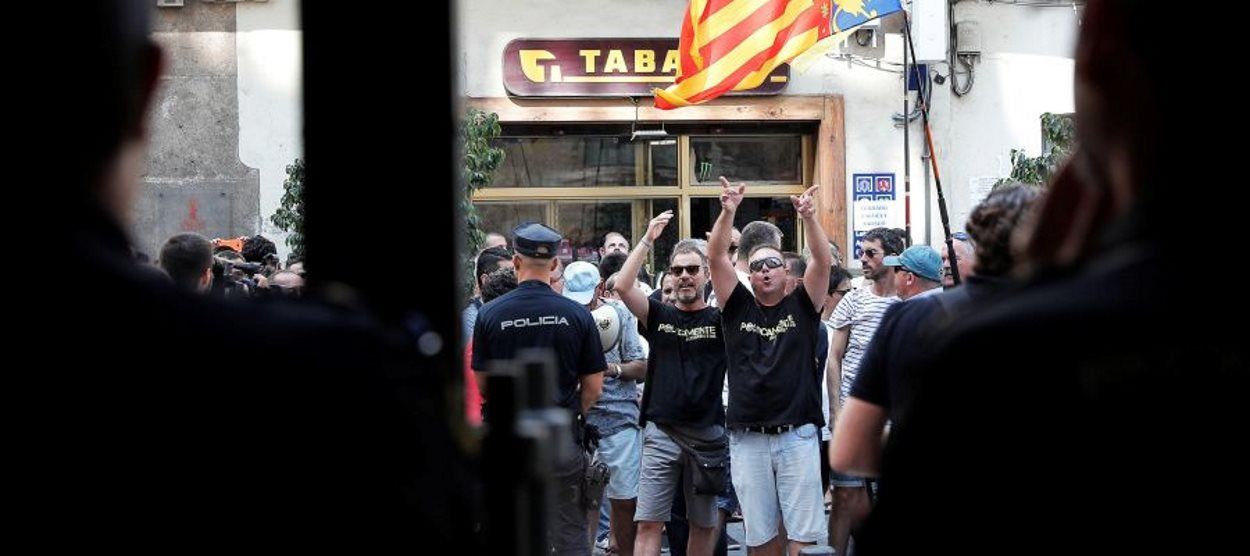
{"points": [[870, 187], [877, 187]]}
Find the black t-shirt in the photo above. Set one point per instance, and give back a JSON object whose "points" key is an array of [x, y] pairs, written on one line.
{"points": [[822, 353], [773, 378], [905, 329], [686, 366], [535, 316], [881, 380]]}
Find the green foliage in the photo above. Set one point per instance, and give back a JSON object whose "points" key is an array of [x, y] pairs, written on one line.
{"points": [[290, 214], [481, 159], [1058, 138]]}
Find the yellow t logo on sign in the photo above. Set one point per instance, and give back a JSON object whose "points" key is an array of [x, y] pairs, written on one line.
{"points": [[535, 72]]}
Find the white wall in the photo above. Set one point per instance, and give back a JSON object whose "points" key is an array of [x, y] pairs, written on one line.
{"points": [[486, 26], [270, 109], [1025, 69]]}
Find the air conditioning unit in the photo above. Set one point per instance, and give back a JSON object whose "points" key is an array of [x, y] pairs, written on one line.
{"points": [[169, 3], [865, 41], [930, 30]]}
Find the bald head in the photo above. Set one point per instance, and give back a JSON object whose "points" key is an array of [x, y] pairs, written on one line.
{"points": [[614, 243], [286, 280], [495, 240]]}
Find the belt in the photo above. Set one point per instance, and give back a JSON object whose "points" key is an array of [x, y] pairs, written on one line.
{"points": [[775, 429]]}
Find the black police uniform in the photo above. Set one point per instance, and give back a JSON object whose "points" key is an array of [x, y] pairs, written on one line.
{"points": [[535, 316]]}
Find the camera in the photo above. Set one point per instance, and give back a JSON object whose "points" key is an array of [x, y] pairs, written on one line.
{"points": [[232, 277]]}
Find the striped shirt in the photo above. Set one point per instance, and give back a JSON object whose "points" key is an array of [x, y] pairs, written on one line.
{"points": [[862, 311]]}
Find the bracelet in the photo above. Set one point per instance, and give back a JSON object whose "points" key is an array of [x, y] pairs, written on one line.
{"points": [[648, 243]]}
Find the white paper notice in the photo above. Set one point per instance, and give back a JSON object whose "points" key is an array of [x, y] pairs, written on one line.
{"points": [[878, 214], [978, 190]]}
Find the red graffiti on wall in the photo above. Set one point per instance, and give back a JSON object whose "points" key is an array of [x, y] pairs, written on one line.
{"points": [[192, 222]]}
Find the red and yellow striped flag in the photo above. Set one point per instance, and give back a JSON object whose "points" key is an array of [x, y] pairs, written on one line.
{"points": [[734, 44]]}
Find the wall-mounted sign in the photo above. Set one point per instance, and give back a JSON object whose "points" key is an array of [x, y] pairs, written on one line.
{"points": [[601, 68], [875, 205]]}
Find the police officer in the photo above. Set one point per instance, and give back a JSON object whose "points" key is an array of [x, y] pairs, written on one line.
{"points": [[535, 316]]}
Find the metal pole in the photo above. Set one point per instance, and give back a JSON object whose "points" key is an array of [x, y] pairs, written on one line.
{"points": [[906, 150], [937, 176]]}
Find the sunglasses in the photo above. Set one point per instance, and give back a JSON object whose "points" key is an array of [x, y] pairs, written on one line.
{"points": [[872, 253], [770, 262], [692, 269]]}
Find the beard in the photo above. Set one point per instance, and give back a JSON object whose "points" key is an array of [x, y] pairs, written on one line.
{"points": [[687, 296]]}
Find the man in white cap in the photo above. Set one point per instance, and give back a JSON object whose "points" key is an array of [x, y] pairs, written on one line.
{"points": [[615, 415]]}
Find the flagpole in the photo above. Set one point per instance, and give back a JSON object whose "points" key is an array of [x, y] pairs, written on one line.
{"points": [[928, 133], [906, 152]]}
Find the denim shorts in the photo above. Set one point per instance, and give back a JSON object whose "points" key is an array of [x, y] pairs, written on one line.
{"points": [[622, 452], [778, 474]]}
